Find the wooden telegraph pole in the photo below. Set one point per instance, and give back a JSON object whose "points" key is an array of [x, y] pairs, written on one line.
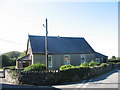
{"points": [[46, 44]]}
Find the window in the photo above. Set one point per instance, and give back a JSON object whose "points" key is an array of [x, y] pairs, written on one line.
{"points": [[97, 60], [67, 59], [24, 61], [49, 60], [83, 58]]}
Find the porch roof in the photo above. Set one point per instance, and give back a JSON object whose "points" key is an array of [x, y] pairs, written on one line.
{"points": [[27, 57]]}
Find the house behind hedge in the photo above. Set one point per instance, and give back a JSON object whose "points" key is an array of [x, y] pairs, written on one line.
{"points": [[61, 50]]}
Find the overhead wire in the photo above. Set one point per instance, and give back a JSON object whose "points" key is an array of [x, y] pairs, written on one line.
{"points": [[11, 42]]}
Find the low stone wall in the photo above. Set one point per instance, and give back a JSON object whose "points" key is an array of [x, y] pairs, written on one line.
{"points": [[53, 77], [12, 76]]}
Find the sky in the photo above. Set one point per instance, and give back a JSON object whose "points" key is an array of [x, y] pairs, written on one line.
{"points": [[96, 21]]}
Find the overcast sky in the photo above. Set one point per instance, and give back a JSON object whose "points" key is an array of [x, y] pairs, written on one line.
{"points": [[97, 22]]}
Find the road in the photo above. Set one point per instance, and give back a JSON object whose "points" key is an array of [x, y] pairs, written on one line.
{"points": [[107, 80]]}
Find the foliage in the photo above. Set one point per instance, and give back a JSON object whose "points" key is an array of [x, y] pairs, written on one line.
{"points": [[85, 64], [35, 67], [22, 54], [82, 65], [113, 57], [103, 64], [65, 67], [6, 61], [118, 58], [1, 69], [12, 67], [114, 60], [12, 54], [93, 63], [9, 58]]}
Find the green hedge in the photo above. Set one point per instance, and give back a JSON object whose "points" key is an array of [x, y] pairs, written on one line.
{"points": [[113, 61], [65, 67], [85, 64], [11, 67], [35, 67], [103, 64], [93, 63]]}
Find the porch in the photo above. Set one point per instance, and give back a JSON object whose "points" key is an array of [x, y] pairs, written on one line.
{"points": [[23, 62]]}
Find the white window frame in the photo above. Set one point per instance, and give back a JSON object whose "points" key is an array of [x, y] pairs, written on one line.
{"points": [[51, 61], [81, 58], [68, 60]]}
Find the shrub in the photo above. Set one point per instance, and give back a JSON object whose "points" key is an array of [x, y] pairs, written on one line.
{"points": [[12, 67], [103, 64], [85, 64], [93, 63], [35, 67], [114, 61], [65, 67]]}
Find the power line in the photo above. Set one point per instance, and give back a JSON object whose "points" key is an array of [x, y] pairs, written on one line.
{"points": [[11, 42]]}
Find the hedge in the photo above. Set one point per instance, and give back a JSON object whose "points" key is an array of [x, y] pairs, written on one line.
{"points": [[35, 67]]}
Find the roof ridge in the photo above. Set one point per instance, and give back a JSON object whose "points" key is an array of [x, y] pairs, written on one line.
{"points": [[56, 36]]}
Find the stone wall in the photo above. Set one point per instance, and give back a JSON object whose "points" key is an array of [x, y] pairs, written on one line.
{"points": [[12, 76], [53, 77]]}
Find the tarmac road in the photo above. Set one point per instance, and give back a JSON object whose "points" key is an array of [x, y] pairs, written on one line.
{"points": [[106, 80]]}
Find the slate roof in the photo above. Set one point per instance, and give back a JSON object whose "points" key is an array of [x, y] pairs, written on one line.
{"points": [[99, 55], [60, 45], [27, 57]]}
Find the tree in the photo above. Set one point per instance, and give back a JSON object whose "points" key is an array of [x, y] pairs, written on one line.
{"points": [[22, 54], [113, 57], [5, 60], [9, 58], [13, 54]]}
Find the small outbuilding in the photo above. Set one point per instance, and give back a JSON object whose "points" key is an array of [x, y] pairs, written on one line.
{"points": [[23, 62]]}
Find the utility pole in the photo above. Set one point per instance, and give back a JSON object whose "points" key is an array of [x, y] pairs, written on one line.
{"points": [[46, 44]]}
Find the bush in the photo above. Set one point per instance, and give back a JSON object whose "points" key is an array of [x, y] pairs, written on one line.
{"points": [[93, 63], [103, 64], [12, 67], [114, 61], [65, 67], [35, 67], [85, 64]]}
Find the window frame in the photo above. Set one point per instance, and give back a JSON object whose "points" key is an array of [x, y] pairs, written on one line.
{"points": [[68, 59], [98, 60], [51, 61], [82, 57]]}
